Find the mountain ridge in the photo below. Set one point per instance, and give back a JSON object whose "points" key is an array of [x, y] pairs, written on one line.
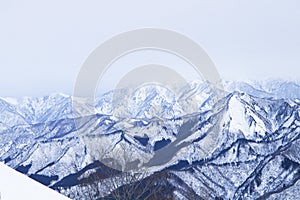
{"points": [[241, 131]]}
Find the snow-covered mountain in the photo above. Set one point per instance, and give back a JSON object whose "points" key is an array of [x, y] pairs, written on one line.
{"points": [[242, 144], [263, 89]]}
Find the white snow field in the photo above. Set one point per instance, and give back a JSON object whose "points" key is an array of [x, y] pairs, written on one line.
{"points": [[14, 185]]}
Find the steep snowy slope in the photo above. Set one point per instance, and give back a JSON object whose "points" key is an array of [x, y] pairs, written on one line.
{"points": [[14, 185]]}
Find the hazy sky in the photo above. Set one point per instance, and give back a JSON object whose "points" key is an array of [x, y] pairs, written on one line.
{"points": [[43, 44]]}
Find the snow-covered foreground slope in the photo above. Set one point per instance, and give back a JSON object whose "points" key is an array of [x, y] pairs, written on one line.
{"points": [[14, 185], [244, 145]]}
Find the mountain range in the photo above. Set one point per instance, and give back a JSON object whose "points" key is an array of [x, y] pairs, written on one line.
{"points": [[242, 143]]}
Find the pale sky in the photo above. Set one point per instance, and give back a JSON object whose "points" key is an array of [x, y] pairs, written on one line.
{"points": [[44, 44]]}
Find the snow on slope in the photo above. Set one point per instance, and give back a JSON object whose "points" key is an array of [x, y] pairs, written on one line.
{"points": [[44, 139], [14, 185]]}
